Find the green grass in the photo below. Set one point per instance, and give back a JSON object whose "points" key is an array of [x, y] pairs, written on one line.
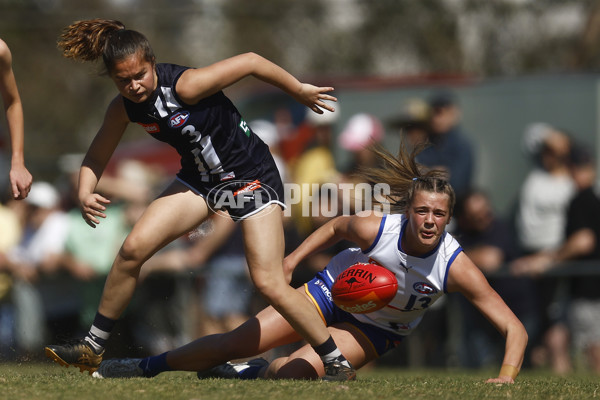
{"points": [[48, 381]]}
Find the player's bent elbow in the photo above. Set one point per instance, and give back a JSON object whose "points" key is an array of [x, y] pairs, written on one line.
{"points": [[252, 55], [253, 59]]}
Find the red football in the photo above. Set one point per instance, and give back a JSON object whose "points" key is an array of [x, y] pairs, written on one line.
{"points": [[364, 288]]}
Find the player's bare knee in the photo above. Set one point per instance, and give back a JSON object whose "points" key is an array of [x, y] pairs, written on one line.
{"points": [[132, 250], [268, 285], [273, 367], [274, 294]]}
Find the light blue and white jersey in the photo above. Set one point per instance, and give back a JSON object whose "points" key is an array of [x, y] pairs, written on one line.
{"points": [[421, 280]]}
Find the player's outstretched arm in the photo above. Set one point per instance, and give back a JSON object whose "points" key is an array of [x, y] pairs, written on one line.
{"points": [[466, 278], [196, 84], [360, 229], [92, 204]]}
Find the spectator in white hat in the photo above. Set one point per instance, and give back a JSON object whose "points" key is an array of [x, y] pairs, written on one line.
{"points": [[361, 131], [267, 132]]}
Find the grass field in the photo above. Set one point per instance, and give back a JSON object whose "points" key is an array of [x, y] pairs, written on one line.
{"points": [[48, 381]]}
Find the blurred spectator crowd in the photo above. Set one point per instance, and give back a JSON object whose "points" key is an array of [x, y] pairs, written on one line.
{"points": [[542, 258]]}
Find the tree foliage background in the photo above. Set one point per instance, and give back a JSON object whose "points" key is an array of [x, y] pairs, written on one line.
{"points": [[314, 39]]}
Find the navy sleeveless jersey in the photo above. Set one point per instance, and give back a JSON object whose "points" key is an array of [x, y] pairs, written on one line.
{"points": [[210, 136]]}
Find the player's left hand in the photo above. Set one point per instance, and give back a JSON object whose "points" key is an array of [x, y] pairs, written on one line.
{"points": [[313, 96], [92, 207], [501, 379]]}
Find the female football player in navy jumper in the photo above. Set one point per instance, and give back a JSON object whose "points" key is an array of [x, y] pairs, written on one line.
{"points": [[223, 163], [413, 243]]}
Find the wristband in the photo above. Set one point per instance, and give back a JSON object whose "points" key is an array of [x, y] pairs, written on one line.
{"points": [[509, 370]]}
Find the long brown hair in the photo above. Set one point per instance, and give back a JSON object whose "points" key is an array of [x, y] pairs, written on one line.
{"points": [[91, 39], [405, 176]]}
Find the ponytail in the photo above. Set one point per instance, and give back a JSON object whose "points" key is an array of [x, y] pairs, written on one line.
{"points": [[405, 176], [86, 40], [91, 39]]}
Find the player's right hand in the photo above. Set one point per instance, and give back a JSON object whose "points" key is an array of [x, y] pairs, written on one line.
{"points": [[93, 206]]}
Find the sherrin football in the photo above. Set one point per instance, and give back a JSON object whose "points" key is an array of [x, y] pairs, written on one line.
{"points": [[364, 288]]}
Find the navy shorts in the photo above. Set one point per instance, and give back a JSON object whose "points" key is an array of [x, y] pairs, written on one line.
{"points": [[241, 196], [319, 291]]}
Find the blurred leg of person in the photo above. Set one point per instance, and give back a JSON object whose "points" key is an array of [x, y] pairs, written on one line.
{"points": [[228, 292], [30, 325], [584, 321]]}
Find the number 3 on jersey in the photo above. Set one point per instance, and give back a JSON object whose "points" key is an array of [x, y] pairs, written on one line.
{"points": [[207, 155]]}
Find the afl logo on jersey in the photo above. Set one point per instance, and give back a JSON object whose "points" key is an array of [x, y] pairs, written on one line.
{"points": [[178, 119], [424, 288]]}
